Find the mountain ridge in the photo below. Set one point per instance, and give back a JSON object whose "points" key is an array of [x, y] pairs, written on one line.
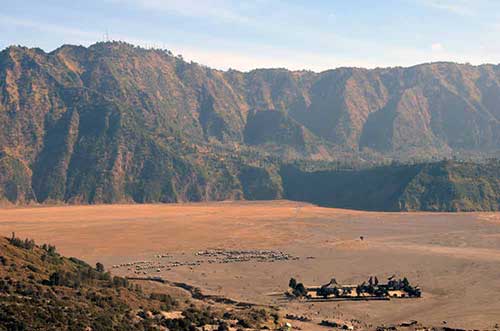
{"points": [[348, 124], [114, 122], [55, 50]]}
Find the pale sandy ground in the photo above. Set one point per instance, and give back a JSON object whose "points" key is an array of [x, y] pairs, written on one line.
{"points": [[455, 258]]}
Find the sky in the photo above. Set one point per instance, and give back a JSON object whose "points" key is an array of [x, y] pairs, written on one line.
{"points": [[247, 34]]}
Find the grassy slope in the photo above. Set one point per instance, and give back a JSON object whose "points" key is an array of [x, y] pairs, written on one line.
{"points": [[41, 290]]}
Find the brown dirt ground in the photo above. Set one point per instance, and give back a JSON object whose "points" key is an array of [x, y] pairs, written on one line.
{"points": [[455, 258]]}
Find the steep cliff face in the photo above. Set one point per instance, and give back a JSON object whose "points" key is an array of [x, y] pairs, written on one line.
{"points": [[113, 122], [106, 124], [441, 106]]}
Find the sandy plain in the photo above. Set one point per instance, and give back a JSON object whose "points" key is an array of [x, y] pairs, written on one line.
{"points": [[454, 258]]}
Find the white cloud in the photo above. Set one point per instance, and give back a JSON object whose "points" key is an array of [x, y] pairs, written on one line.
{"points": [[48, 27], [254, 58], [222, 10], [260, 56], [248, 61], [437, 47], [462, 7], [311, 48]]}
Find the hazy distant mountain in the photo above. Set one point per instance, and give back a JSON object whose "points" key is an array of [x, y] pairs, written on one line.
{"points": [[113, 122]]}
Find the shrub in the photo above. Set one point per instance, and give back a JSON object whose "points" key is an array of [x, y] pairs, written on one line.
{"points": [[26, 243], [168, 303]]}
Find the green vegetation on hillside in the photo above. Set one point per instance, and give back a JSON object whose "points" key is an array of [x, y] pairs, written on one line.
{"points": [[451, 186], [42, 290], [441, 186]]}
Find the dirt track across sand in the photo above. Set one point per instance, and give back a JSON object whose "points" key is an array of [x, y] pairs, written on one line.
{"points": [[455, 258]]}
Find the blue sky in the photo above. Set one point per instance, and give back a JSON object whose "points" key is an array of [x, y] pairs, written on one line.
{"points": [[315, 34]]}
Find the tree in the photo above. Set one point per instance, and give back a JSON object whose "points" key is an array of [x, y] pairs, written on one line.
{"points": [[300, 290], [406, 283], [359, 290], [120, 282], [99, 267], [51, 249], [223, 327], [55, 279]]}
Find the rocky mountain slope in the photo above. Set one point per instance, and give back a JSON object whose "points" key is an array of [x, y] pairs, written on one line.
{"points": [[116, 123]]}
